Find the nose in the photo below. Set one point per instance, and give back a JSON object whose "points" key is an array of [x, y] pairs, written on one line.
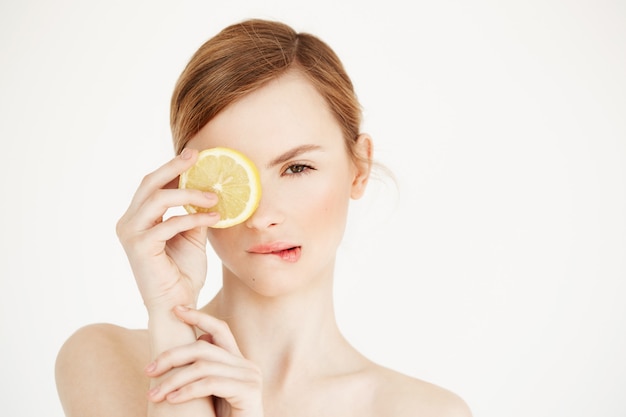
{"points": [[268, 214]]}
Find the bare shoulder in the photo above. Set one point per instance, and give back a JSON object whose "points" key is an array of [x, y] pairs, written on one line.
{"points": [[99, 371], [401, 395]]}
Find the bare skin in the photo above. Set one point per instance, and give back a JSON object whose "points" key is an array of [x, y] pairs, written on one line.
{"points": [[268, 344], [103, 352]]}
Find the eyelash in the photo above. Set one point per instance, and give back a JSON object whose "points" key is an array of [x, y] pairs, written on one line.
{"points": [[304, 169]]}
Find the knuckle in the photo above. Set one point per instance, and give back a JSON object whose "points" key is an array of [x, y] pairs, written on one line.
{"points": [[253, 374], [147, 180], [165, 358], [257, 377], [255, 382], [222, 327], [120, 228], [159, 200], [253, 368], [134, 243], [200, 367], [204, 386]]}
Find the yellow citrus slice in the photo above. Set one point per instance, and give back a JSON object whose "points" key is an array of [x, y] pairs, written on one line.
{"points": [[232, 176]]}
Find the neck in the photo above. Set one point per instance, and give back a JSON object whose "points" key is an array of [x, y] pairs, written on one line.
{"points": [[287, 335]]}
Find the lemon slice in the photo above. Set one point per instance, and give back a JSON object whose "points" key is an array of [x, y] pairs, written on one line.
{"points": [[232, 176]]}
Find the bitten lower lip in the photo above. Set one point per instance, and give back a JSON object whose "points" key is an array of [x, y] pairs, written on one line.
{"points": [[289, 255], [286, 252]]}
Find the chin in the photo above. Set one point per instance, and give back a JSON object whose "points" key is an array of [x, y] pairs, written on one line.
{"points": [[271, 284], [274, 287]]}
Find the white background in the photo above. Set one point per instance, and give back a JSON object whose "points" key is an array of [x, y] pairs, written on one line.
{"points": [[496, 268]]}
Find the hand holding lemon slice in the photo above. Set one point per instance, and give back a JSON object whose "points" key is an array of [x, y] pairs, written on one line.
{"points": [[232, 176]]}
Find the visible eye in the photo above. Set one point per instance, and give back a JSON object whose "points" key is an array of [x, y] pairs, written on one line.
{"points": [[297, 169]]}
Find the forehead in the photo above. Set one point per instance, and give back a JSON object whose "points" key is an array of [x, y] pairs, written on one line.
{"points": [[285, 113]]}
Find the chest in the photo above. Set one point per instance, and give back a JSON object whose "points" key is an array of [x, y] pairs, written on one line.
{"points": [[332, 399]]}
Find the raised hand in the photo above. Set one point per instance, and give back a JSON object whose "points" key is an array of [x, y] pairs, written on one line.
{"points": [[168, 258], [211, 366]]}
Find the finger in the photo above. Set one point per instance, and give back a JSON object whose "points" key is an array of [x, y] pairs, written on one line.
{"points": [[235, 391], [164, 177], [176, 225], [147, 227], [218, 329], [242, 390], [156, 205], [152, 241], [189, 354], [201, 379]]}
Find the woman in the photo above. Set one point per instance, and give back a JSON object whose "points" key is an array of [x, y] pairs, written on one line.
{"points": [[268, 343]]}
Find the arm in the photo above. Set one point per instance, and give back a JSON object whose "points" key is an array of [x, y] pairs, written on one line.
{"points": [[168, 259], [167, 332], [98, 372], [212, 366]]}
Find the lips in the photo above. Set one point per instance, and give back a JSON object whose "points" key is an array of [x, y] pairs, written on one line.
{"points": [[285, 251], [289, 255]]}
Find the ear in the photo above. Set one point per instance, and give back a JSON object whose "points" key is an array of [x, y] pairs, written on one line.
{"points": [[363, 165]]}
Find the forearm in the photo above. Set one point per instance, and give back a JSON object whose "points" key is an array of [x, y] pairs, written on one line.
{"points": [[167, 332]]}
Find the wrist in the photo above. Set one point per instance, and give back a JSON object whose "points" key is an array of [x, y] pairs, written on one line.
{"points": [[164, 307], [166, 331]]}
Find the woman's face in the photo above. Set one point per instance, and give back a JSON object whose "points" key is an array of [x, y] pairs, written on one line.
{"points": [[307, 179]]}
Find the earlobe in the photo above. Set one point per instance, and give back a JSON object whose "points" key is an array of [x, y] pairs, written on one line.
{"points": [[363, 150]]}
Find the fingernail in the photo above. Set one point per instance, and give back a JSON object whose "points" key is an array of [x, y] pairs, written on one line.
{"points": [[154, 391], [185, 154], [182, 308], [208, 195], [151, 367]]}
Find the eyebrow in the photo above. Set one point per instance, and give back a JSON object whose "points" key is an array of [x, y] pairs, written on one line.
{"points": [[298, 150]]}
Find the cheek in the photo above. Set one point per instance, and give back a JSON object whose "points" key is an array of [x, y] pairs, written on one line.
{"points": [[325, 207], [222, 241]]}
